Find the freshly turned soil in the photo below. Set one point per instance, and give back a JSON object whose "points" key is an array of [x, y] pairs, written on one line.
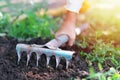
{"points": [[9, 70]]}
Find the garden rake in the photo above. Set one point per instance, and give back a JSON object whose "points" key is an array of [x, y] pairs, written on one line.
{"points": [[49, 49]]}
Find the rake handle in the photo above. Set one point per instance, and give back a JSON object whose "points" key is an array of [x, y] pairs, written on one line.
{"points": [[57, 42], [62, 39]]}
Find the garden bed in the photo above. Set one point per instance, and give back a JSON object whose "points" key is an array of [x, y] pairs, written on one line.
{"points": [[9, 70]]}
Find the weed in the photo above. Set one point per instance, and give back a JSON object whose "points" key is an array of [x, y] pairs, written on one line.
{"points": [[100, 52], [33, 26], [83, 43], [111, 74]]}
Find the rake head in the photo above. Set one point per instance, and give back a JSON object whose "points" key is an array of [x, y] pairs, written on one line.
{"points": [[39, 50]]}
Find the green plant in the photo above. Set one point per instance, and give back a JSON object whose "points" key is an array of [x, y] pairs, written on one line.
{"points": [[33, 26], [101, 51], [82, 43], [112, 74], [3, 22]]}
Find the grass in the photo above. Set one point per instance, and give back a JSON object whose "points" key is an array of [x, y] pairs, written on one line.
{"points": [[111, 74], [105, 55]]}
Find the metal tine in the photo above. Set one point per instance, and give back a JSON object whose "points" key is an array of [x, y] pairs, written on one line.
{"points": [[39, 50], [57, 61], [48, 53], [67, 63], [38, 53], [48, 60], [19, 55], [38, 57], [28, 58], [66, 54], [20, 48]]}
